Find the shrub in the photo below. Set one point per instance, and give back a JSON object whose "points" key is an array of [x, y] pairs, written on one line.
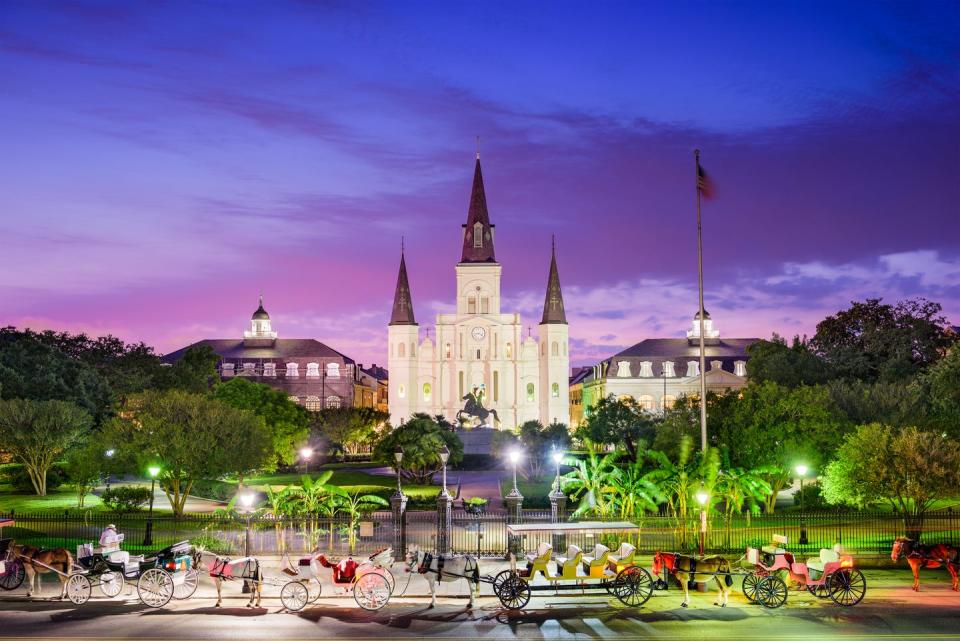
{"points": [[126, 498], [16, 475], [812, 497], [216, 490]]}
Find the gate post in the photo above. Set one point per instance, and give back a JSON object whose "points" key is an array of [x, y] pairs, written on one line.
{"points": [[398, 505], [514, 502], [558, 514], [444, 521]]}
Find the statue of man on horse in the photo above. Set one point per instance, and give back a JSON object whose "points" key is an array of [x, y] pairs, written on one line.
{"points": [[473, 407]]}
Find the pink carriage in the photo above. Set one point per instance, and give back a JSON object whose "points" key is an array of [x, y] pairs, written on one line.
{"points": [[831, 574], [370, 579]]}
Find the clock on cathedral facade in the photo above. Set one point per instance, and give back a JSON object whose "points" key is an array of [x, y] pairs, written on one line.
{"points": [[480, 367]]}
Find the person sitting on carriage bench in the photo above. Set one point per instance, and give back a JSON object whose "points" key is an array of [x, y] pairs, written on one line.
{"points": [[109, 539]]}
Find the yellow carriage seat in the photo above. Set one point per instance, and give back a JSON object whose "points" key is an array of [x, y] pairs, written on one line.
{"points": [[623, 557], [595, 565], [537, 561], [567, 564]]}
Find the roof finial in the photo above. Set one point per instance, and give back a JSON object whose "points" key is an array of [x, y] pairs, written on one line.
{"points": [[478, 147], [553, 243], [261, 300]]}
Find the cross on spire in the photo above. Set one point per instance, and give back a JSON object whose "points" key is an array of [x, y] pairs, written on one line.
{"points": [[553, 312]]}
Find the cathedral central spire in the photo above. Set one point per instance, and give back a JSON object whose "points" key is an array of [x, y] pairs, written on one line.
{"points": [[402, 301], [553, 311], [478, 232]]}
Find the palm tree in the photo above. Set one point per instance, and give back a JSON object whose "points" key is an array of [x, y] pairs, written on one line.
{"points": [[355, 506], [590, 481], [636, 491], [313, 498], [741, 488]]}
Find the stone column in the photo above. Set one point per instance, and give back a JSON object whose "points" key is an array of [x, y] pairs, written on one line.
{"points": [[514, 502], [558, 514], [398, 504], [444, 521]]}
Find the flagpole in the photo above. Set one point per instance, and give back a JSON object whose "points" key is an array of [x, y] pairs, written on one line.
{"points": [[703, 379]]}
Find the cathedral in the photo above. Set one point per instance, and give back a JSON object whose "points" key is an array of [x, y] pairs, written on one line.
{"points": [[480, 369]]}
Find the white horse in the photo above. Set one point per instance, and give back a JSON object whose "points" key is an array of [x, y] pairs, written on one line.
{"points": [[444, 569], [222, 569]]}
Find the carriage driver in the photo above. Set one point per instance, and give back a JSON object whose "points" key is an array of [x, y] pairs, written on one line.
{"points": [[109, 539]]}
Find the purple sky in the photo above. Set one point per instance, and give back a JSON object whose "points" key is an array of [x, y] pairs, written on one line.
{"points": [[163, 165]]}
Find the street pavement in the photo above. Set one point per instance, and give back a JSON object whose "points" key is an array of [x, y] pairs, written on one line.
{"points": [[889, 611]]}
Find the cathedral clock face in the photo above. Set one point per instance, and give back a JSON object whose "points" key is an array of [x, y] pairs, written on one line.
{"points": [[478, 333]]}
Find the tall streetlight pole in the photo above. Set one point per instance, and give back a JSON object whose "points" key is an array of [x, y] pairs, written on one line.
{"points": [[398, 456], [444, 457], [702, 498], [802, 472], [154, 471], [247, 501], [703, 358]]}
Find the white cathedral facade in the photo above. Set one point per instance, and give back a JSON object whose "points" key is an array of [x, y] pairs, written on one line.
{"points": [[480, 352]]}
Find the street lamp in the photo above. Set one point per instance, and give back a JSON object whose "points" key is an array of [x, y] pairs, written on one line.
{"points": [[702, 498], [802, 472], [557, 457], [153, 471], [305, 455], [398, 456], [109, 454], [514, 456], [444, 457]]}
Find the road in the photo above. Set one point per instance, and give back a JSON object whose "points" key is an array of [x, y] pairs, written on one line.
{"points": [[890, 611]]}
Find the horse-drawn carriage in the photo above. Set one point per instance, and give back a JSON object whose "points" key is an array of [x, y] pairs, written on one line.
{"points": [[614, 573], [828, 575], [12, 571], [370, 581]]}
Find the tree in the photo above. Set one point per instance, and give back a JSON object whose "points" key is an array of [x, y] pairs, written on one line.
{"points": [[896, 403], [195, 372], [907, 468], [941, 384], [36, 433], [421, 438], [31, 368], [589, 482], [788, 365], [86, 465], [537, 441], [618, 421], [355, 506], [350, 428], [190, 436], [873, 341], [287, 423]]}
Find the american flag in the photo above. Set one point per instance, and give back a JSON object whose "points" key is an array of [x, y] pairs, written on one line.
{"points": [[704, 184]]}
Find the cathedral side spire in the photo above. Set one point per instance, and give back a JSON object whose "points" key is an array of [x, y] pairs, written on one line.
{"points": [[553, 311], [478, 232], [402, 313]]}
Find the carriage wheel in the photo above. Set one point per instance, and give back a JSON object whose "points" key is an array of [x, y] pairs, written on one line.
{"points": [[514, 593], [772, 592], [294, 596], [633, 586], [499, 580], [111, 583], [750, 583], [155, 587], [371, 591], [313, 597], [820, 590], [13, 576], [191, 579], [391, 580], [78, 588], [847, 587]]}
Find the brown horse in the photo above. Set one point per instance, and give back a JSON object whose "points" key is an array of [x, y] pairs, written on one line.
{"points": [[34, 560], [926, 556], [702, 570]]}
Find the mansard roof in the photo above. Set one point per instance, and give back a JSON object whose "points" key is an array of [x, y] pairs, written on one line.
{"points": [[667, 348], [477, 213], [279, 349], [402, 313]]}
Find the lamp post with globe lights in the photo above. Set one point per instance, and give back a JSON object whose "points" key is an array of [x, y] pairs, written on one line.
{"points": [[558, 501], [398, 505], [154, 472], [514, 457], [444, 457], [109, 454], [802, 472], [306, 454], [514, 501], [702, 498], [444, 508]]}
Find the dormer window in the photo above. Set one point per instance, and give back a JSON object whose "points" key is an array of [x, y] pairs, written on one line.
{"points": [[333, 369], [249, 369], [226, 370], [477, 235], [270, 369], [313, 370], [740, 368], [693, 368], [716, 365], [646, 369], [668, 369], [293, 370], [623, 369]]}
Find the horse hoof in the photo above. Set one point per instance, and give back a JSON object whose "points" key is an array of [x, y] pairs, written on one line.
{"points": [[683, 605], [723, 605]]}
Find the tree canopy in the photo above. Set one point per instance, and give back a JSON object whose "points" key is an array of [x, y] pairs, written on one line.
{"points": [[421, 438], [350, 428], [617, 421], [788, 365]]}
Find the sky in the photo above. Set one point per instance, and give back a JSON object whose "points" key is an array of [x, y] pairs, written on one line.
{"points": [[163, 164]]}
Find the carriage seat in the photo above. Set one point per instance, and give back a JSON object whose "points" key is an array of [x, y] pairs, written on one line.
{"points": [[623, 557], [567, 564], [595, 564], [344, 570], [777, 546], [543, 553], [827, 555]]}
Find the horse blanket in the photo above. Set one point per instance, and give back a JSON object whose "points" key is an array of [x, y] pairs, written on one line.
{"points": [[245, 568]]}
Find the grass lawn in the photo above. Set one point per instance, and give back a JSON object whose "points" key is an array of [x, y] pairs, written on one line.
{"points": [[352, 480], [54, 500], [535, 491]]}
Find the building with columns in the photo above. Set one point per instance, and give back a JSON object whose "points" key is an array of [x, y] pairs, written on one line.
{"points": [[657, 371], [479, 351]]}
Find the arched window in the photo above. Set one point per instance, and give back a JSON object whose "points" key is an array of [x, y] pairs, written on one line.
{"points": [[471, 304], [555, 349], [402, 350], [413, 349], [448, 352], [478, 235], [333, 402], [293, 370], [484, 305], [294, 399], [645, 402], [509, 350], [426, 392], [530, 393], [313, 404], [555, 390], [401, 391], [333, 370], [313, 370]]}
